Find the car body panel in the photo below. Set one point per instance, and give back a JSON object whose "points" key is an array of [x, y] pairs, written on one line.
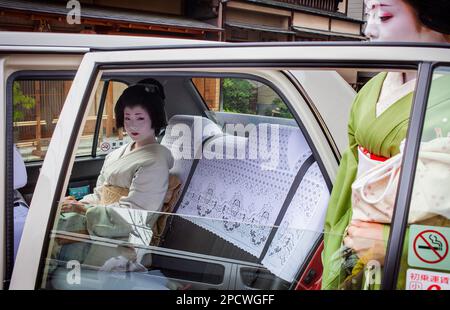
{"points": [[81, 43]]}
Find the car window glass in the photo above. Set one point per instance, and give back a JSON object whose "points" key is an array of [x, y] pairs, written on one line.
{"points": [[425, 263], [36, 107], [109, 138], [242, 96], [252, 203], [41, 101]]}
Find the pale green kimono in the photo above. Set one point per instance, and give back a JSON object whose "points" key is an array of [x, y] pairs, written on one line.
{"points": [[144, 171], [380, 136]]}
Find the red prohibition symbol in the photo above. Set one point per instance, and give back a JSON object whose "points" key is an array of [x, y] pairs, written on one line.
{"points": [[429, 246], [104, 146]]}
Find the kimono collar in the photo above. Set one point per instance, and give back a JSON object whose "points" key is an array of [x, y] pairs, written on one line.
{"points": [[393, 89], [372, 131]]}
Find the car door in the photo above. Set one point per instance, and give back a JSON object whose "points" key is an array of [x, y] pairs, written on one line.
{"points": [[32, 264], [417, 257], [18, 69], [33, 96]]}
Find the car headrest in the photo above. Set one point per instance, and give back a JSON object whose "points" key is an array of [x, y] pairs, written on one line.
{"points": [[20, 173], [198, 126], [291, 146]]}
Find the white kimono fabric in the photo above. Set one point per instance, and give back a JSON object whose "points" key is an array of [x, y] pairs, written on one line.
{"points": [[144, 171]]}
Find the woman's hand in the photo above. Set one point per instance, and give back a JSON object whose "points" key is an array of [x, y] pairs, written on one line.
{"points": [[70, 204], [366, 239]]}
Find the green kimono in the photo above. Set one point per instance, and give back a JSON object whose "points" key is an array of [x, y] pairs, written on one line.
{"points": [[380, 136]]}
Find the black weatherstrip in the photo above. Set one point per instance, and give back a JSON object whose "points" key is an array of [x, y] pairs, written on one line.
{"points": [[9, 187], [99, 119], [295, 184]]}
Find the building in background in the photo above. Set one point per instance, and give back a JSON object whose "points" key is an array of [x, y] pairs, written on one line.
{"points": [[216, 20], [160, 18], [290, 20]]}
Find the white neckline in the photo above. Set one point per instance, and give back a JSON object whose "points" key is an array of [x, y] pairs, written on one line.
{"points": [[393, 90]]}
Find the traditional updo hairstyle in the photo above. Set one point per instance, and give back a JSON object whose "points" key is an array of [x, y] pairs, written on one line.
{"points": [[433, 14], [148, 96], [156, 83]]}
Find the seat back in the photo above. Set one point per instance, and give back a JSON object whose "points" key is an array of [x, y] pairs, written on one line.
{"points": [[242, 196], [20, 172], [264, 210], [190, 132], [172, 195], [20, 205]]}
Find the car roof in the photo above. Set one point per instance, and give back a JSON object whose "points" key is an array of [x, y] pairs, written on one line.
{"points": [[82, 43], [74, 42]]}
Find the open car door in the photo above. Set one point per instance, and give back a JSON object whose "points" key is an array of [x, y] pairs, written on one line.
{"points": [[240, 221]]}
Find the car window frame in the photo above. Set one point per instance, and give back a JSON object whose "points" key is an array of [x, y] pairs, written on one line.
{"points": [[90, 64], [268, 83], [9, 199], [107, 82], [36, 164]]}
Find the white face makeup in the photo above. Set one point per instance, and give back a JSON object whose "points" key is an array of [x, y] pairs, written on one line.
{"points": [[138, 125], [395, 20], [391, 20]]}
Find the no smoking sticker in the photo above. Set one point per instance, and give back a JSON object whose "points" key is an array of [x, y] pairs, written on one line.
{"points": [[429, 247], [105, 146]]}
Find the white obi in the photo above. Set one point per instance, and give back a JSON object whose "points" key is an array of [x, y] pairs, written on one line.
{"points": [[365, 163]]}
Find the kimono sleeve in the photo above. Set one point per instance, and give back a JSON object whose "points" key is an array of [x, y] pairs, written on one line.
{"points": [[339, 207], [148, 188], [95, 197]]}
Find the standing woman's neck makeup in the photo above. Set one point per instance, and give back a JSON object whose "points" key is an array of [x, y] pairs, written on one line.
{"points": [[138, 125]]}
